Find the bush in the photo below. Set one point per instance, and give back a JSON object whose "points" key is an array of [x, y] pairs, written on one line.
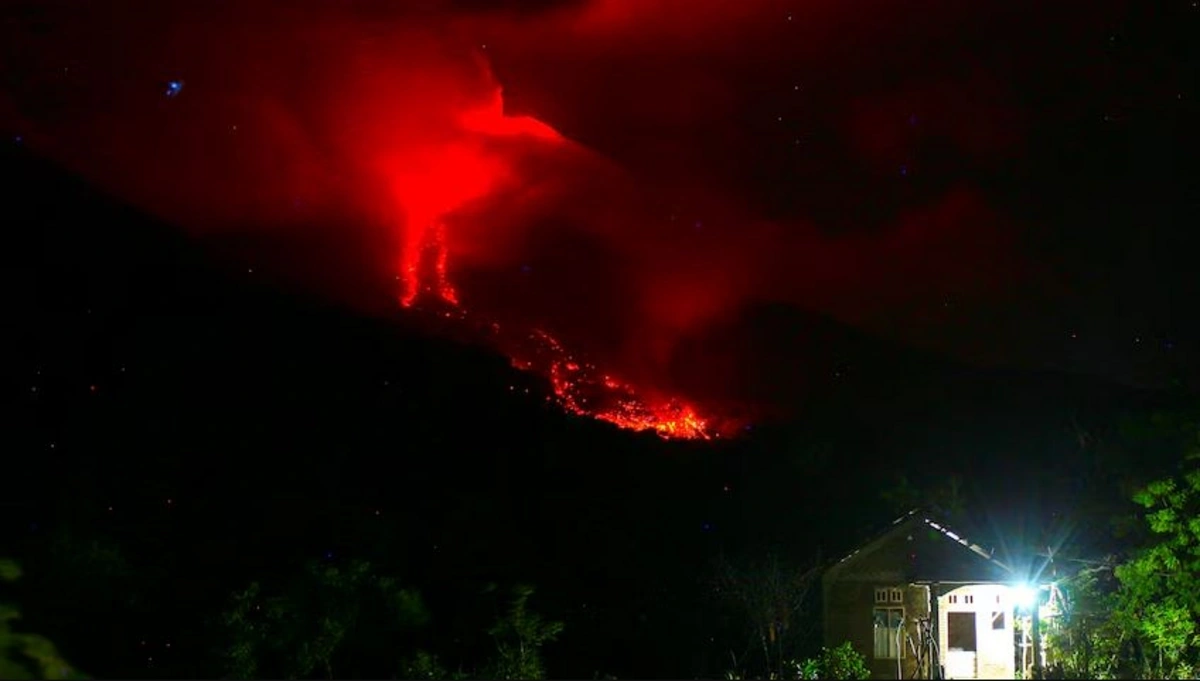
{"points": [[842, 662]]}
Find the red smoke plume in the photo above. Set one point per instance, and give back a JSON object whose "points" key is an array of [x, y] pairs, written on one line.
{"points": [[608, 171]]}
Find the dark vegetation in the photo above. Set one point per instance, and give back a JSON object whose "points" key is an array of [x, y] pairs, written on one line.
{"points": [[242, 482]]}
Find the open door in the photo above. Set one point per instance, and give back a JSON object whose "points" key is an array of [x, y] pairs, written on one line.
{"points": [[962, 645]]}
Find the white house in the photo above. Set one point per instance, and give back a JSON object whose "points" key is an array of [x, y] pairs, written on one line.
{"points": [[920, 601]]}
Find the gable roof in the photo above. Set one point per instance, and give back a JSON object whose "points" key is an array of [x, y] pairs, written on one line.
{"points": [[918, 518]]}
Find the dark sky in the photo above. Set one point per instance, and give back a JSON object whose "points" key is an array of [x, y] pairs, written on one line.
{"points": [[1005, 182]]}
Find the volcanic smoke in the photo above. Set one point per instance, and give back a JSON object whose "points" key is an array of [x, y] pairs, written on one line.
{"points": [[358, 146], [449, 178]]}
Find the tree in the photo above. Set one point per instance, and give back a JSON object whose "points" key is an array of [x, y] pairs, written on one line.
{"points": [[23, 655], [770, 597], [520, 635], [1086, 639], [301, 629], [1158, 600], [1140, 617]]}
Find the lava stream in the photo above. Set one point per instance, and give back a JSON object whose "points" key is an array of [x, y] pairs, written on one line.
{"points": [[578, 387], [581, 388]]}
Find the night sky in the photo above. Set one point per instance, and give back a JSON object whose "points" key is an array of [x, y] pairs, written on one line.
{"points": [[879, 237]]}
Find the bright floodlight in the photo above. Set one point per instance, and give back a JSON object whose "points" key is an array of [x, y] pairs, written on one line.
{"points": [[1024, 595]]}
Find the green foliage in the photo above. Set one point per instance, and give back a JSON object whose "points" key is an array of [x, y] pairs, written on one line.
{"points": [[425, 665], [9, 570], [320, 620], [1141, 619], [298, 630], [842, 662], [1086, 638], [22, 655], [520, 635], [1159, 597]]}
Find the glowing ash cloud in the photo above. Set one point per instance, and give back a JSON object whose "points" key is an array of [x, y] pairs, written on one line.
{"points": [[622, 175]]}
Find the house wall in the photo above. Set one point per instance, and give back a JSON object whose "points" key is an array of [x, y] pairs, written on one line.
{"points": [[990, 606], [851, 618], [908, 557], [850, 603]]}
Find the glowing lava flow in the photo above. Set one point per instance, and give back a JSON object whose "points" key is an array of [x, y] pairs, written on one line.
{"points": [[429, 187], [445, 177], [577, 386], [432, 185], [430, 243], [580, 388]]}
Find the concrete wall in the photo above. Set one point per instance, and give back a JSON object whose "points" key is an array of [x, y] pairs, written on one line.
{"points": [[990, 606]]}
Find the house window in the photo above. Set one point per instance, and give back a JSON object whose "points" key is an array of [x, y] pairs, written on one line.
{"points": [[954, 599], [998, 620], [890, 596], [888, 623], [968, 599]]}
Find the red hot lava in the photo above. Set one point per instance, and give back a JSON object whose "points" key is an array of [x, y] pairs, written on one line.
{"points": [[580, 387], [433, 183], [429, 188]]}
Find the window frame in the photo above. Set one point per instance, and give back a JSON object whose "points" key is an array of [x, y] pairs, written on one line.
{"points": [[889, 595], [893, 632]]}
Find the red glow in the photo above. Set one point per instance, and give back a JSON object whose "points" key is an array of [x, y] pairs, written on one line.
{"points": [[429, 188], [489, 119], [582, 389], [654, 227], [440, 179]]}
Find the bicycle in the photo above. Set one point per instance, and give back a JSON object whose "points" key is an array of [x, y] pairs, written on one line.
{"points": [[924, 651]]}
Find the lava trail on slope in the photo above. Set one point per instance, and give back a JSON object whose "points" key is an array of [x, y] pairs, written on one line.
{"points": [[577, 385]]}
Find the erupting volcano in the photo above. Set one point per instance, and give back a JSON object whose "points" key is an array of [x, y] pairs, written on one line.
{"points": [[638, 192], [443, 179]]}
